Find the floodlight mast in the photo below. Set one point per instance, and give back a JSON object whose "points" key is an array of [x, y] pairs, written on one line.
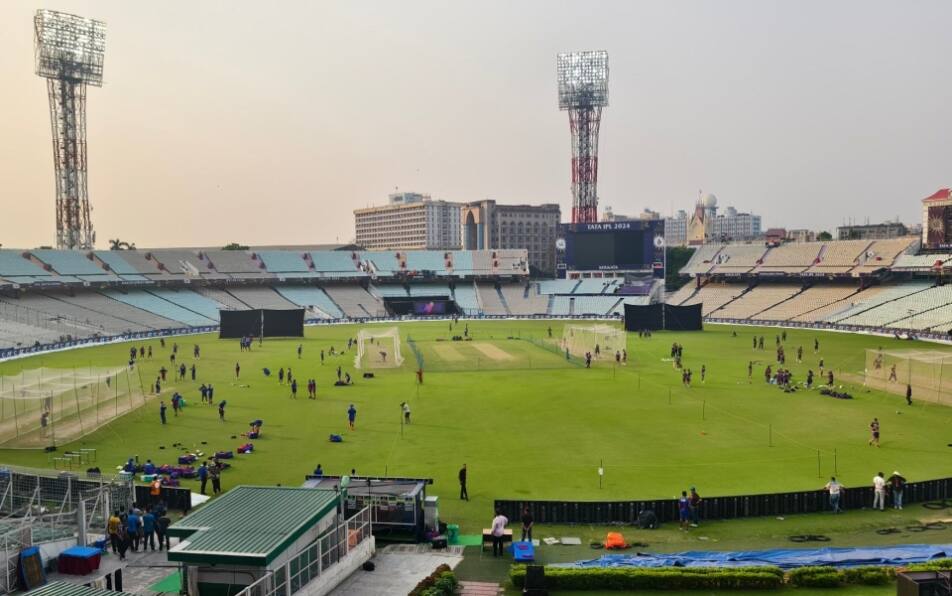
{"points": [[583, 92], [69, 52]]}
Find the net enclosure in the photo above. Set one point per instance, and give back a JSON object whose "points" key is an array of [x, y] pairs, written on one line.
{"points": [[49, 406], [927, 372], [580, 339], [378, 348]]}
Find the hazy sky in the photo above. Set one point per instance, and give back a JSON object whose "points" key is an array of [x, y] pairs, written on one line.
{"points": [[268, 122]]}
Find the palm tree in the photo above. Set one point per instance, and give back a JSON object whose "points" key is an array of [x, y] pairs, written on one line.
{"points": [[117, 244]]}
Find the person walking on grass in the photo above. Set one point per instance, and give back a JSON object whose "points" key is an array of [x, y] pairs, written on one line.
{"points": [[162, 408], [835, 489], [221, 411], [879, 492], [463, 493], [406, 412], [684, 510], [874, 432], [237, 370], [351, 416], [294, 389], [908, 395], [499, 532], [300, 349]]}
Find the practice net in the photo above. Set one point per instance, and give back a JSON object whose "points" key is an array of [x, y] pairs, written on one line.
{"points": [[602, 341], [48, 406], [928, 372], [378, 348]]}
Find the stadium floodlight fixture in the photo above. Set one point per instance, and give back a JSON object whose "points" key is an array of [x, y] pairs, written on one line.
{"points": [[583, 79], [69, 47]]}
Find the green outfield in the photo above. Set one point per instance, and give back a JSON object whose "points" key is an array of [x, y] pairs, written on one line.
{"points": [[528, 422]]}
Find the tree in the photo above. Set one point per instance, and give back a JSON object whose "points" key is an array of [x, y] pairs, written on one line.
{"points": [[677, 257], [117, 244], [824, 236], [234, 246]]}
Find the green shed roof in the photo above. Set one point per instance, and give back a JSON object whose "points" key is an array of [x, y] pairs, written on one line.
{"points": [[249, 525], [60, 588]]}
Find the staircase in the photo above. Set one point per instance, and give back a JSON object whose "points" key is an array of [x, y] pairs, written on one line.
{"points": [[480, 589], [502, 299]]}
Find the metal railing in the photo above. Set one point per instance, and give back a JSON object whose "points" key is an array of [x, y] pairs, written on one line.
{"points": [[314, 559]]}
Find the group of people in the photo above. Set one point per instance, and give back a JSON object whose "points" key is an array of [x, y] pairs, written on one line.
{"points": [[138, 528], [210, 469], [689, 509], [894, 486]]}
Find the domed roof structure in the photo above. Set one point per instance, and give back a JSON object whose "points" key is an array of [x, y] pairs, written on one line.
{"points": [[709, 201]]}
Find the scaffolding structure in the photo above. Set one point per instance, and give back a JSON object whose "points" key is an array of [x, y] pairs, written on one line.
{"points": [[69, 54], [45, 506], [583, 92]]}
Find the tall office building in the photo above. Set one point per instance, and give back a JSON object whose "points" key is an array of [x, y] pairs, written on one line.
{"points": [[409, 221], [487, 225]]}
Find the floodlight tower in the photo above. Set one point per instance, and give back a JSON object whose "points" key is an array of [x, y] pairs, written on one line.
{"points": [[583, 92], [69, 55]]}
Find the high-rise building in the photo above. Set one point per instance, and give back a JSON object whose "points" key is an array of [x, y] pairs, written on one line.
{"points": [[676, 229], [487, 225], [409, 221]]}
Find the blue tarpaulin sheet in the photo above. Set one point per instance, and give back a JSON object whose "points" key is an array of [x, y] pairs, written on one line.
{"points": [[786, 558]]}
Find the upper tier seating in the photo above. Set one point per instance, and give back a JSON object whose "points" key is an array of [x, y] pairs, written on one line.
{"points": [[283, 262], [183, 261], [12, 264], [71, 262], [921, 262], [738, 258], [882, 254], [791, 257], [424, 260], [703, 260], [840, 257], [335, 263], [234, 262], [462, 263], [595, 286]]}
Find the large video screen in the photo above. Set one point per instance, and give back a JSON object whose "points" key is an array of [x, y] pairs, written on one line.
{"points": [[595, 249], [429, 307], [625, 245]]}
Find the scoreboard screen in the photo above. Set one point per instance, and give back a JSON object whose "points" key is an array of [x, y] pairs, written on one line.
{"points": [[621, 245]]}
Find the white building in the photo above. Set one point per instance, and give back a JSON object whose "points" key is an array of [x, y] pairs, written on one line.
{"points": [[409, 221], [676, 229]]}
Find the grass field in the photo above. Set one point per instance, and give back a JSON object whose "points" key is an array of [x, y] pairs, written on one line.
{"points": [[528, 423]]}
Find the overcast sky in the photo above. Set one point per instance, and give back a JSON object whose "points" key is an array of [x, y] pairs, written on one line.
{"points": [[269, 122]]}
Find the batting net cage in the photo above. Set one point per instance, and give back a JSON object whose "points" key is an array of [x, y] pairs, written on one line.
{"points": [[927, 372], [579, 339], [378, 348], [48, 406]]}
